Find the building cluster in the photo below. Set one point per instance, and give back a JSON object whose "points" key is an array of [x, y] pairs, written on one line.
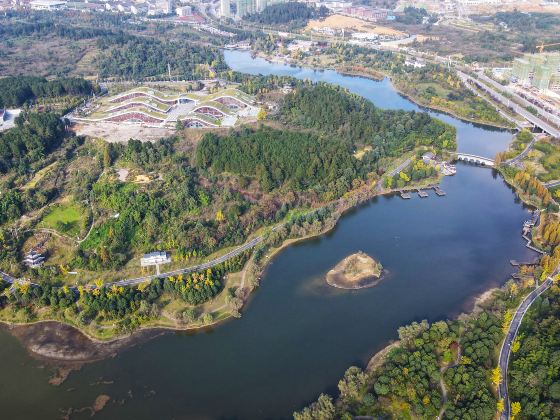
{"points": [[540, 71], [245, 7], [181, 8], [167, 107]]}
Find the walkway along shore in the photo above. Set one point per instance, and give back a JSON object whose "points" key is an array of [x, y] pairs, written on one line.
{"points": [[505, 351]]}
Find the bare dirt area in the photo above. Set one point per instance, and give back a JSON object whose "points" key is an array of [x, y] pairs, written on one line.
{"points": [[356, 271], [121, 133], [347, 22]]}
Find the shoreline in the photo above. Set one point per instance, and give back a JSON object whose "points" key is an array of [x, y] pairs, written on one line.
{"points": [[342, 208], [378, 358], [341, 71]]}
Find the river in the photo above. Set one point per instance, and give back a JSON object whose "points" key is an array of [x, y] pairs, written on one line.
{"points": [[298, 335]]}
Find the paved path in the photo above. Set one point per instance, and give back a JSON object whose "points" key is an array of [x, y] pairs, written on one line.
{"points": [[395, 171], [401, 167], [552, 184], [505, 351], [521, 155], [194, 268]]}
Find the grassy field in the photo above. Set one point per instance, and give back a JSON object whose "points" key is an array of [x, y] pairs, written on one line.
{"points": [[66, 218]]}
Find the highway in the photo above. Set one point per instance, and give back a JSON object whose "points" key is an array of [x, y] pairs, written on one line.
{"points": [[510, 104], [555, 119], [505, 351]]}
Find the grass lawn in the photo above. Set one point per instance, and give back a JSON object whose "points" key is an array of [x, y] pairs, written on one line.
{"points": [[66, 218]]}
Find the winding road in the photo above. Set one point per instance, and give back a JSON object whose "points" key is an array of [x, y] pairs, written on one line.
{"points": [[505, 351]]}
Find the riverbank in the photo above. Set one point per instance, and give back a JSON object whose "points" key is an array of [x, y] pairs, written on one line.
{"points": [[244, 280], [477, 307], [378, 75]]}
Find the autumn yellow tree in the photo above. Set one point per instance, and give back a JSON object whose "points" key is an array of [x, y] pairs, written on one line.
{"points": [[261, 115], [496, 375], [219, 216], [515, 409], [516, 345], [507, 320], [500, 406]]}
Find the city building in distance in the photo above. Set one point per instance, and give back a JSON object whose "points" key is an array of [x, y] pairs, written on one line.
{"points": [[541, 71]]}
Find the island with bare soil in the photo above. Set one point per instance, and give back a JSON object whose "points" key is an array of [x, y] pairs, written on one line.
{"points": [[356, 271]]}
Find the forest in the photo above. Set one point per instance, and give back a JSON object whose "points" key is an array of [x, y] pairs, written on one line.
{"points": [[534, 373], [17, 90], [412, 15], [296, 14], [128, 306], [35, 136], [446, 369], [137, 58], [332, 111], [274, 158]]}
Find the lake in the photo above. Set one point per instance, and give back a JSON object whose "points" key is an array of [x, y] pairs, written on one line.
{"points": [[298, 335]]}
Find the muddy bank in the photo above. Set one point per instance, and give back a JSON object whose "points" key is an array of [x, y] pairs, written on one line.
{"points": [[57, 342]]}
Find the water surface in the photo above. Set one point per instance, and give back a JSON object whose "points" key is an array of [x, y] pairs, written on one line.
{"points": [[298, 335]]}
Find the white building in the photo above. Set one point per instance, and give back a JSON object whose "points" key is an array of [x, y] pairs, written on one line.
{"points": [[33, 259], [225, 9], [184, 11], [155, 258], [47, 5]]}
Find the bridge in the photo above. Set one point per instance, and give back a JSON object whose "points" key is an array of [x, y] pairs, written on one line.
{"points": [[479, 160]]}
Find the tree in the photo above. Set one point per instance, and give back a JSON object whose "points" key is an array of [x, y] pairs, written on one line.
{"points": [[107, 155], [261, 115], [496, 375], [516, 345], [515, 409], [500, 406]]}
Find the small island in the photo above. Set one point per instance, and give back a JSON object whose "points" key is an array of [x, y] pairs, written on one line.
{"points": [[356, 271]]}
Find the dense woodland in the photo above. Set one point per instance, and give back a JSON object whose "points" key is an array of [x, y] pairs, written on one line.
{"points": [[293, 13], [460, 355], [15, 91], [412, 15], [34, 136], [332, 111], [274, 158], [534, 373], [137, 58]]}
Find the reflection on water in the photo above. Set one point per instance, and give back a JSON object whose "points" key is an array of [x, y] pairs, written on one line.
{"points": [[298, 335]]}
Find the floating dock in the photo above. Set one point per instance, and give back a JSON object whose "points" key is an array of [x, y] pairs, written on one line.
{"points": [[405, 195], [439, 191], [422, 194]]}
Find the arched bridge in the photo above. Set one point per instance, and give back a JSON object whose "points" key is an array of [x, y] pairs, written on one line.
{"points": [[480, 160]]}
